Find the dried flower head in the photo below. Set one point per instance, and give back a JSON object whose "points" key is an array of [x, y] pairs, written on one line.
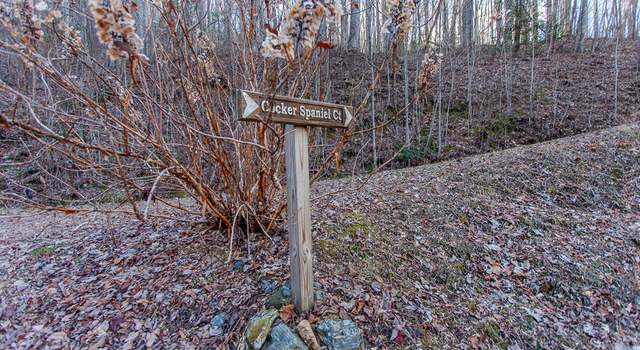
{"points": [[116, 29], [5, 15], [41, 6], [203, 42], [399, 21], [30, 24], [277, 46], [301, 28], [206, 60], [430, 65], [71, 39], [334, 10], [52, 16]]}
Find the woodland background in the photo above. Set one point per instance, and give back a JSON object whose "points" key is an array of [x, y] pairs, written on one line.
{"points": [[154, 118]]}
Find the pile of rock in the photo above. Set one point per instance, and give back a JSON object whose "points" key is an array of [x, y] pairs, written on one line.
{"points": [[266, 331]]}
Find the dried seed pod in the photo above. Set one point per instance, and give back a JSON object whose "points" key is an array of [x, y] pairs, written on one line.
{"points": [[302, 27], [29, 23], [430, 65], [71, 39], [116, 29], [399, 21]]}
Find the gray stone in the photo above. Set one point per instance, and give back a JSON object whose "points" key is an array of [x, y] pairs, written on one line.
{"points": [[238, 265], [259, 328], [217, 324], [130, 253], [286, 290], [280, 298], [340, 335], [20, 285], [318, 294], [160, 298], [283, 338], [267, 285], [623, 346]]}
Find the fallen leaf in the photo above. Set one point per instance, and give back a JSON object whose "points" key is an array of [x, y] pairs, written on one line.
{"points": [[287, 313]]}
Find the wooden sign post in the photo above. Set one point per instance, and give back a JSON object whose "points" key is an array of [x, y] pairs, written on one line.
{"points": [[297, 114]]}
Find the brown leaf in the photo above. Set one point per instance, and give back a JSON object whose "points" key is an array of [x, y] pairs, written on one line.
{"points": [[4, 121], [325, 45], [358, 307], [67, 211], [313, 319], [287, 313], [474, 342], [271, 29], [114, 323]]}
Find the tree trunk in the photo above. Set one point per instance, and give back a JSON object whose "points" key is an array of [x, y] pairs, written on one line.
{"points": [[344, 26], [634, 20], [467, 23], [582, 25], [374, 145], [499, 22], [454, 18], [550, 18], [354, 26], [517, 16]]}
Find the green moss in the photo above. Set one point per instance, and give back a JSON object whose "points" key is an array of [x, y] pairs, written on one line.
{"points": [[358, 226], [458, 266], [458, 110], [259, 328], [502, 123], [463, 218], [617, 173], [542, 94], [429, 341], [408, 154], [472, 306], [491, 330], [43, 251], [329, 247], [596, 264], [181, 194], [113, 197]]}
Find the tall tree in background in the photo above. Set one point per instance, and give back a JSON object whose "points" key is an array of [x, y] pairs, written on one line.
{"points": [[582, 25], [344, 25], [468, 17], [519, 20], [354, 25], [634, 19]]}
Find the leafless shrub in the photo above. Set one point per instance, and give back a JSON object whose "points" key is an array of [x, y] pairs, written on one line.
{"points": [[168, 119]]}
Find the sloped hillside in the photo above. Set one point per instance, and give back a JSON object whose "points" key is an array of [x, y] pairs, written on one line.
{"points": [[516, 100]]}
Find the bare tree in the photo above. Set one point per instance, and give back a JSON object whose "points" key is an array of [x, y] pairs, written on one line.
{"points": [[354, 25], [582, 26]]}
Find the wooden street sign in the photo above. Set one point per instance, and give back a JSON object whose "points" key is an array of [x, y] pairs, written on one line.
{"points": [[255, 106], [297, 114]]}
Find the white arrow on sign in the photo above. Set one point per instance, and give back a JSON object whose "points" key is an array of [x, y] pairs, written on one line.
{"points": [[251, 105], [347, 116]]}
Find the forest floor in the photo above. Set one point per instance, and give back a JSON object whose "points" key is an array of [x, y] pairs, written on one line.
{"points": [[535, 247]]}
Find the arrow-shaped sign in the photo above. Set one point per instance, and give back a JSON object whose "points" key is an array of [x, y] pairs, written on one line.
{"points": [[255, 106]]}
